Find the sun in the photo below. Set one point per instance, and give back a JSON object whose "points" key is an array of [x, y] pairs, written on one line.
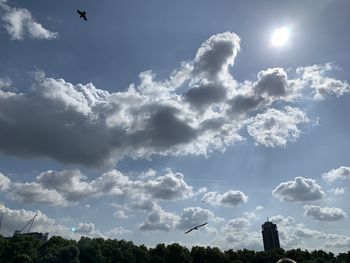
{"points": [[280, 36]]}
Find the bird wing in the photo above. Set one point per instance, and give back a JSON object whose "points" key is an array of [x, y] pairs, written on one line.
{"points": [[79, 12], [84, 17], [203, 224], [188, 231]]}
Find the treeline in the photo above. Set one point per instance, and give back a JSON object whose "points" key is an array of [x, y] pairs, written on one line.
{"points": [[26, 249]]}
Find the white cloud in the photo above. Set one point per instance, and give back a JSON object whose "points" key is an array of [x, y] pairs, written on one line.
{"points": [[120, 214], [304, 232], [198, 109], [19, 23], [158, 219], [277, 127], [259, 208], [4, 182], [338, 242], [69, 187], [237, 225], [338, 191], [341, 173], [324, 213], [171, 186], [282, 220], [35, 193], [228, 199], [299, 190], [16, 219], [194, 216], [254, 214], [116, 232], [316, 77]]}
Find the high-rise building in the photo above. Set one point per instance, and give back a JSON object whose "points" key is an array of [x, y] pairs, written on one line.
{"points": [[270, 236]]}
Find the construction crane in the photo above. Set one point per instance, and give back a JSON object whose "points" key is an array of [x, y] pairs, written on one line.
{"points": [[30, 223]]}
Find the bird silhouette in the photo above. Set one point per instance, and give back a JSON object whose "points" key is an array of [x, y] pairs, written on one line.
{"points": [[82, 14], [195, 228]]}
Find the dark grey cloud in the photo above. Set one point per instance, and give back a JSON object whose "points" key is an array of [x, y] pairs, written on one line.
{"points": [[164, 129], [299, 190], [205, 95], [324, 213], [272, 82], [242, 104]]}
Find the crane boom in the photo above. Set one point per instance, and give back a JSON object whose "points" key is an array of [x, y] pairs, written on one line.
{"points": [[31, 221]]}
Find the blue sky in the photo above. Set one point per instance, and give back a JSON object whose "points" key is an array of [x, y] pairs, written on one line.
{"points": [[153, 116]]}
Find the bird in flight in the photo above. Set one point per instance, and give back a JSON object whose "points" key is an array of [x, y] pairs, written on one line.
{"points": [[82, 14], [195, 228]]}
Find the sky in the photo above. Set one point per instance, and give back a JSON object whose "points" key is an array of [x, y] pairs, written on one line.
{"points": [[154, 116]]}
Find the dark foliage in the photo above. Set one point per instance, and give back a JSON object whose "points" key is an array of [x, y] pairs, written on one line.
{"points": [[26, 249]]}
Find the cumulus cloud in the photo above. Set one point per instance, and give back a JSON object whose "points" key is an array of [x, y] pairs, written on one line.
{"points": [[277, 127], [293, 234], [282, 220], [338, 242], [324, 213], [198, 109], [299, 190], [4, 83], [19, 23], [4, 182], [36, 193], [120, 214], [235, 234], [116, 232], [273, 82], [216, 54], [237, 225], [341, 173], [68, 187], [171, 186], [338, 191], [193, 216], [254, 214], [16, 219], [228, 199], [158, 219], [304, 232], [316, 77]]}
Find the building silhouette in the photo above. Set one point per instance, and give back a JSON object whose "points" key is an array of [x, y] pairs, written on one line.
{"points": [[270, 236]]}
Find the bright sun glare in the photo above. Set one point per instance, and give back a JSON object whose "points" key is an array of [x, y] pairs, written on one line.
{"points": [[280, 36]]}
